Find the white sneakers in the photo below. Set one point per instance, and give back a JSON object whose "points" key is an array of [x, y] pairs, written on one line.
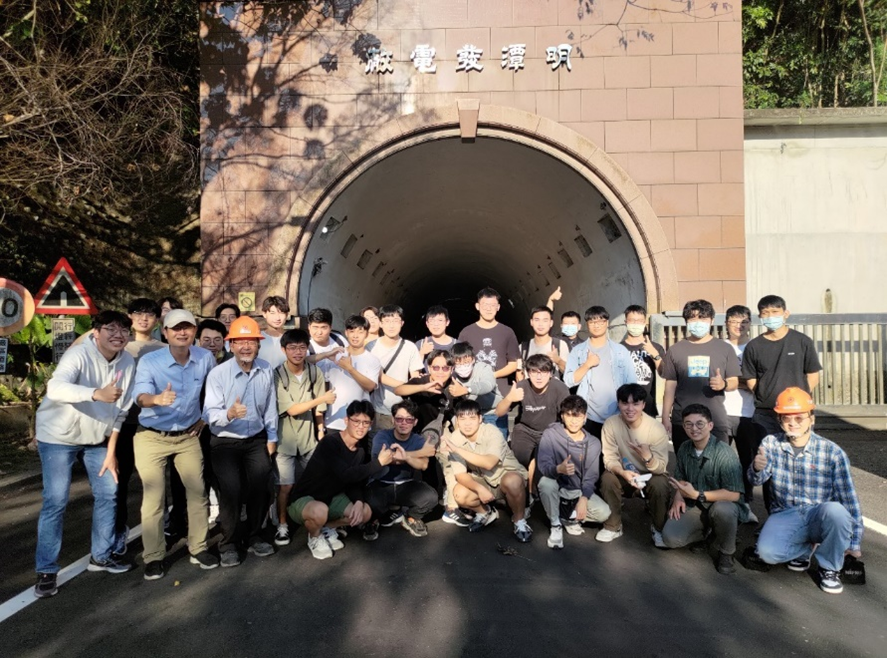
{"points": [[606, 536], [332, 538], [658, 542], [556, 537], [320, 547]]}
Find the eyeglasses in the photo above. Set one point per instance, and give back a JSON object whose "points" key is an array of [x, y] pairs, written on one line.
{"points": [[296, 349], [116, 332], [227, 318], [360, 423], [737, 323], [468, 416], [538, 372], [489, 307], [144, 314], [797, 419], [699, 424], [440, 368], [598, 322], [404, 420]]}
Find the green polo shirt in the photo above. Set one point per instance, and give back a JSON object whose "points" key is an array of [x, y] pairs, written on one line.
{"points": [[716, 468]]}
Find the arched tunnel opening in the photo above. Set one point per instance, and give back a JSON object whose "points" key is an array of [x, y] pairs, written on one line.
{"points": [[436, 222]]}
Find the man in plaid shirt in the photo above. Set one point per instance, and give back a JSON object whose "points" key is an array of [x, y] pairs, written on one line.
{"points": [[814, 500]]}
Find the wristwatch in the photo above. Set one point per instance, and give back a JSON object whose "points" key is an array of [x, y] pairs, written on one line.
{"points": [[701, 498]]}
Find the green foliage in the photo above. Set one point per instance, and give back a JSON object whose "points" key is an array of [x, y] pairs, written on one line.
{"points": [[803, 53], [7, 395]]}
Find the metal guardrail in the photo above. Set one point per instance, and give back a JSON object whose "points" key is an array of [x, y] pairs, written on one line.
{"points": [[852, 348]]}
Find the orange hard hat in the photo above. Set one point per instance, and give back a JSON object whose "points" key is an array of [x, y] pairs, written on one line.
{"points": [[794, 400], [244, 327]]}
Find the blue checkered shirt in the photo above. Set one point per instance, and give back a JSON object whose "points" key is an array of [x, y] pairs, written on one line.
{"points": [[819, 474]]}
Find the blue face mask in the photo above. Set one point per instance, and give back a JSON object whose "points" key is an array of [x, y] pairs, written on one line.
{"points": [[569, 330], [698, 329], [774, 322]]}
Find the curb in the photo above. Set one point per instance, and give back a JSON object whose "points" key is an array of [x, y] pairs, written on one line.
{"points": [[23, 479]]}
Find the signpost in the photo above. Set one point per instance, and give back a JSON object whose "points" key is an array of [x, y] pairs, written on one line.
{"points": [[247, 302], [16, 307], [63, 294], [4, 350]]}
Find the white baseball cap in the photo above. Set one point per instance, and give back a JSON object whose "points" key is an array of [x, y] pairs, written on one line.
{"points": [[178, 316]]}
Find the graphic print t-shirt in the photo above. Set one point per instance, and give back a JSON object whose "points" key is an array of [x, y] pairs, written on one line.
{"points": [[496, 347]]}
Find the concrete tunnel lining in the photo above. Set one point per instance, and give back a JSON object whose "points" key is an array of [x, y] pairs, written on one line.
{"points": [[437, 221]]}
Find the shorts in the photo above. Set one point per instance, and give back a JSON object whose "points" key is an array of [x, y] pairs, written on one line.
{"points": [[499, 495], [337, 508], [285, 467]]}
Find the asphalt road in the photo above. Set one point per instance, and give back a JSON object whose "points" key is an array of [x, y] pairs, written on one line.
{"points": [[450, 594]]}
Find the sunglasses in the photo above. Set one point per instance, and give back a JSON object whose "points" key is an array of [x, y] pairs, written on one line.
{"points": [[440, 368]]}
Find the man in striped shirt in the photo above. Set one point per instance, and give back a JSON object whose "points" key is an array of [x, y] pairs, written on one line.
{"points": [[814, 500]]}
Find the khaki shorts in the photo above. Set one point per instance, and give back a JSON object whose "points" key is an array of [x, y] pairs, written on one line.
{"points": [[337, 508]]}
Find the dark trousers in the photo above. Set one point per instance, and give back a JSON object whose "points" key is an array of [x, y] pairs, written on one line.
{"points": [[419, 498], [766, 422], [657, 493], [525, 444], [126, 464], [595, 429], [243, 469], [745, 434]]}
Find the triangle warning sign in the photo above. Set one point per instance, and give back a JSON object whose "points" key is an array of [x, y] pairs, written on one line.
{"points": [[62, 293]]}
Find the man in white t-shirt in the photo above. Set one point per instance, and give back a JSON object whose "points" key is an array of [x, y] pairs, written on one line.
{"points": [[556, 349], [354, 373], [740, 404], [400, 361], [275, 310], [325, 343]]}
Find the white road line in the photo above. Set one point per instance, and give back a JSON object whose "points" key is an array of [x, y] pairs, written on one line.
{"points": [[880, 528], [26, 598]]}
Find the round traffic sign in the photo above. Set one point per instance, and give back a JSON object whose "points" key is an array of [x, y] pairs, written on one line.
{"points": [[16, 307]]}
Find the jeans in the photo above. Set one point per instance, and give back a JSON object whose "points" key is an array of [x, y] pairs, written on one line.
{"points": [[501, 423], [723, 517], [791, 533], [56, 461]]}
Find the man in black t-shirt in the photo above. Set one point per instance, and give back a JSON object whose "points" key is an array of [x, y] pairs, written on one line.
{"points": [[645, 354], [776, 360], [494, 344]]}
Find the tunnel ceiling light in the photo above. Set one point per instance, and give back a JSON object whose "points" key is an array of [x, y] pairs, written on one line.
{"points": [[332, 225], [608, 226]]}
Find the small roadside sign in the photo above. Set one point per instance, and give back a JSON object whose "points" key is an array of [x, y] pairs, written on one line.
{"points": [[63, 294], [16, 307], [247, 302], [62, 337]]}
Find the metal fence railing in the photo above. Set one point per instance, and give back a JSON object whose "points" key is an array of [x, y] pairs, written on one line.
{"points": [[852, 348]]}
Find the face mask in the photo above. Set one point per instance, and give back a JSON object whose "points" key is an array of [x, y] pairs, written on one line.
{"points": [[464, 371], [698, 329], [569, 330], [635, 329], [773, 323]]}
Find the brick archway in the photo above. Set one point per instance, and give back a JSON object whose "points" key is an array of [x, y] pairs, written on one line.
{"points": [[498, 122]]}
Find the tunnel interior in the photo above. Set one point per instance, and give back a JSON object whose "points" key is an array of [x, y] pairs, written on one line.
{"points": [[436, 222]]}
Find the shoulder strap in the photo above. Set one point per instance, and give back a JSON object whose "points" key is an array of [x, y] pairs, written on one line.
{"points": [[393, 358], [337, 340], [524, 352], [312, 374]]}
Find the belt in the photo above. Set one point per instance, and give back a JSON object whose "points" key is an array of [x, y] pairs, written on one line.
{"points": [[161, 432]]}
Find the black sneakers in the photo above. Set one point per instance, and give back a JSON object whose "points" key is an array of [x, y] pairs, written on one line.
{"points": [[111, 565], [724, 565], [205, 560], [47, 585], [154, 570], [391, 518], [830, 581]]}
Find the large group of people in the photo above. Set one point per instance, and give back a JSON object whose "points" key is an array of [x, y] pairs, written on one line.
{"points": [[263, 430]]}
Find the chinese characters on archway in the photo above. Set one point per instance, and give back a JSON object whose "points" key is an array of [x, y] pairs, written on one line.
{"points": [[468, 58]]}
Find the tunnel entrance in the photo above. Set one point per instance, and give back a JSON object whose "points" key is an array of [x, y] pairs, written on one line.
{"points": [[436, 221]]}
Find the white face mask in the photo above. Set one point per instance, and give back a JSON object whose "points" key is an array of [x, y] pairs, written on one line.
{"points": [[464, 370], [635, 330]]}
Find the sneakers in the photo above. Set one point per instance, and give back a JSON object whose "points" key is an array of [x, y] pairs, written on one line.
{"points": [[111, 565], [414, 526], [332, 538], [574, 528], [119, 549], [752, 518], [800, 564], [230, 558], [282, 536], [319, 547], [154, 570], [830, 581], [391, 518], [522, 531], [481, 521], [724, 564], [658, 542], [205, 560], [456, 517], [556, 537], [47, 585], [606, 536], [371, 531], [261, 549]]}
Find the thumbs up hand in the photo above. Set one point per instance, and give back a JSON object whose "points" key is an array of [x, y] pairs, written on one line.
{"points": [[760, 462], [716, 382], [567, 467], [236, 410], [515, 394], [110, 393], [166, 397]]}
